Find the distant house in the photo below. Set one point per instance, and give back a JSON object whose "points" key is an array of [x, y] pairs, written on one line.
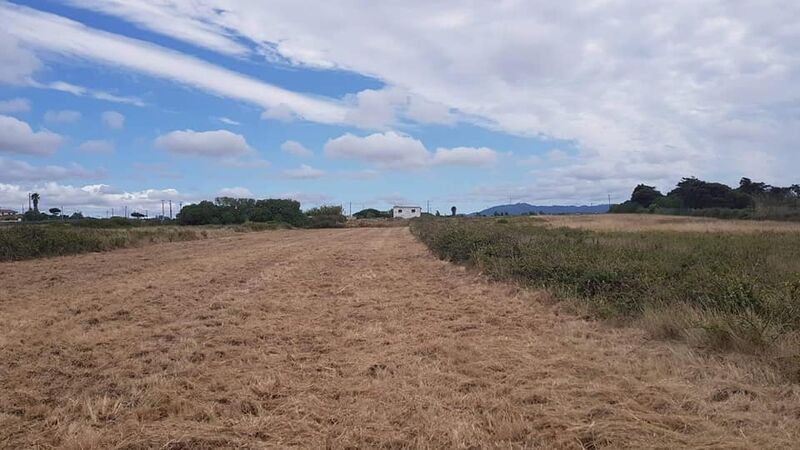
{"points": [[406, 212], [9, 214]]}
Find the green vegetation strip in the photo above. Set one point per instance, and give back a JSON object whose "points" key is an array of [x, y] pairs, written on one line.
{"points": [[20, 242], [737, 291]]}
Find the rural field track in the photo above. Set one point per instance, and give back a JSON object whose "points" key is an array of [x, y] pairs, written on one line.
{"points": [[344, 338]]}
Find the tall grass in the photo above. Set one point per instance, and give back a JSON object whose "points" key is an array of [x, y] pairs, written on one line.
{"points": [[730, 291], [21, 242]]}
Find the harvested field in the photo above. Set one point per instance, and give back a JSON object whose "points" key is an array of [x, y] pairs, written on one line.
{"points": [[655, 222], [349, 337]]}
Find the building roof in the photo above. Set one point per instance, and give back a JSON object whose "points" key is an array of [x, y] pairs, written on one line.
{"points": [[7, 211], [400, 206]]}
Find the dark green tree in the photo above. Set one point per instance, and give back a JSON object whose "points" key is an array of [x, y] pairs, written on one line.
{"points": [[453, 211], [35, 199], [645, 195], [55, 211], [698, 194]]}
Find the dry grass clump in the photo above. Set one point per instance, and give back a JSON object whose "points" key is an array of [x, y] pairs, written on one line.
{"points": [[351, 338], [655, 222]]}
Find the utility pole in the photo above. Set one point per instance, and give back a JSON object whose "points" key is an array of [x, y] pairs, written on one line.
{"points": [[126, 211], [170, 210], [429, 207], [162, 209], [29, 201], [112, 212], [351, 210]]}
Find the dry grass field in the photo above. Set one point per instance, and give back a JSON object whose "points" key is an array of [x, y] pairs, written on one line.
{"points": [[655, 222], [345, 338]]}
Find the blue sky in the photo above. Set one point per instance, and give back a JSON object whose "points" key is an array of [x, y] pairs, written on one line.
{"points": [[107, 103]]}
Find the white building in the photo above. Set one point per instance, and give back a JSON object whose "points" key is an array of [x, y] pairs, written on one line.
{"points": [[406, 212]]}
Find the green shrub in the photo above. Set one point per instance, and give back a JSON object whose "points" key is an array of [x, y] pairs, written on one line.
{"points": [[326, 217]]}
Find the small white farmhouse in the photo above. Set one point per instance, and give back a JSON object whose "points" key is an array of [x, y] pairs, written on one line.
{"points": [[406, 212]]}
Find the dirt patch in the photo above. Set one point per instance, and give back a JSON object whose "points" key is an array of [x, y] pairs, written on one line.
{"points": [[350, 337]]}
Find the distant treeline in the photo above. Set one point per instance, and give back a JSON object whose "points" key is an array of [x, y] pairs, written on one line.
{"points": [[750, 200], [227, 210]]}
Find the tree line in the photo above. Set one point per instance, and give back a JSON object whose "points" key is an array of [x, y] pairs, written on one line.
{"points": [[228, 210], [693, 194]]}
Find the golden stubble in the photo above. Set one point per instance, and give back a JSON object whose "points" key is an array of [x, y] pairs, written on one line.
{"points": [[345, 338]]}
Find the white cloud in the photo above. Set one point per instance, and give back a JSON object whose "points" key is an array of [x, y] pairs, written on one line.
{"points": [[280, 112], [17, 136], [393, 150], [236, 192], [81, 91], [65, 116], [465, 156], [296, 149], [14, 171], [15, 105], [615, 78], [16, 64], [228, 121], [388, 149], [375, 109], [303, 172], [63, 36], [214, 144], [424, 111], [97, 146], [113, 119], [182, 23]]}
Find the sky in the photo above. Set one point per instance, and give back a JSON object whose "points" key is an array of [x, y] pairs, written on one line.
{"points": [[112, 103]]}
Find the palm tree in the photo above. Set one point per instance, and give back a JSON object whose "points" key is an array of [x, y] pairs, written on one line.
{"points": [[35, 199]]}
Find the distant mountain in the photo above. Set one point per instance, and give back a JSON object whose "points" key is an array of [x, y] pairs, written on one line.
{"points": [[523, 209]]}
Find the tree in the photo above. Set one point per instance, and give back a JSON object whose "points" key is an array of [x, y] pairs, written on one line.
{"points": [[371, 213], [35, 199], [137, 215], [437, 213], [697, 194], [645, 195], [453, 211], [55, 211], [747, 186]]}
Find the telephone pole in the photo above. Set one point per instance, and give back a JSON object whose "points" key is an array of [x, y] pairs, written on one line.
{"points": [[162, 209], [170, 210], [429, 206]]}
